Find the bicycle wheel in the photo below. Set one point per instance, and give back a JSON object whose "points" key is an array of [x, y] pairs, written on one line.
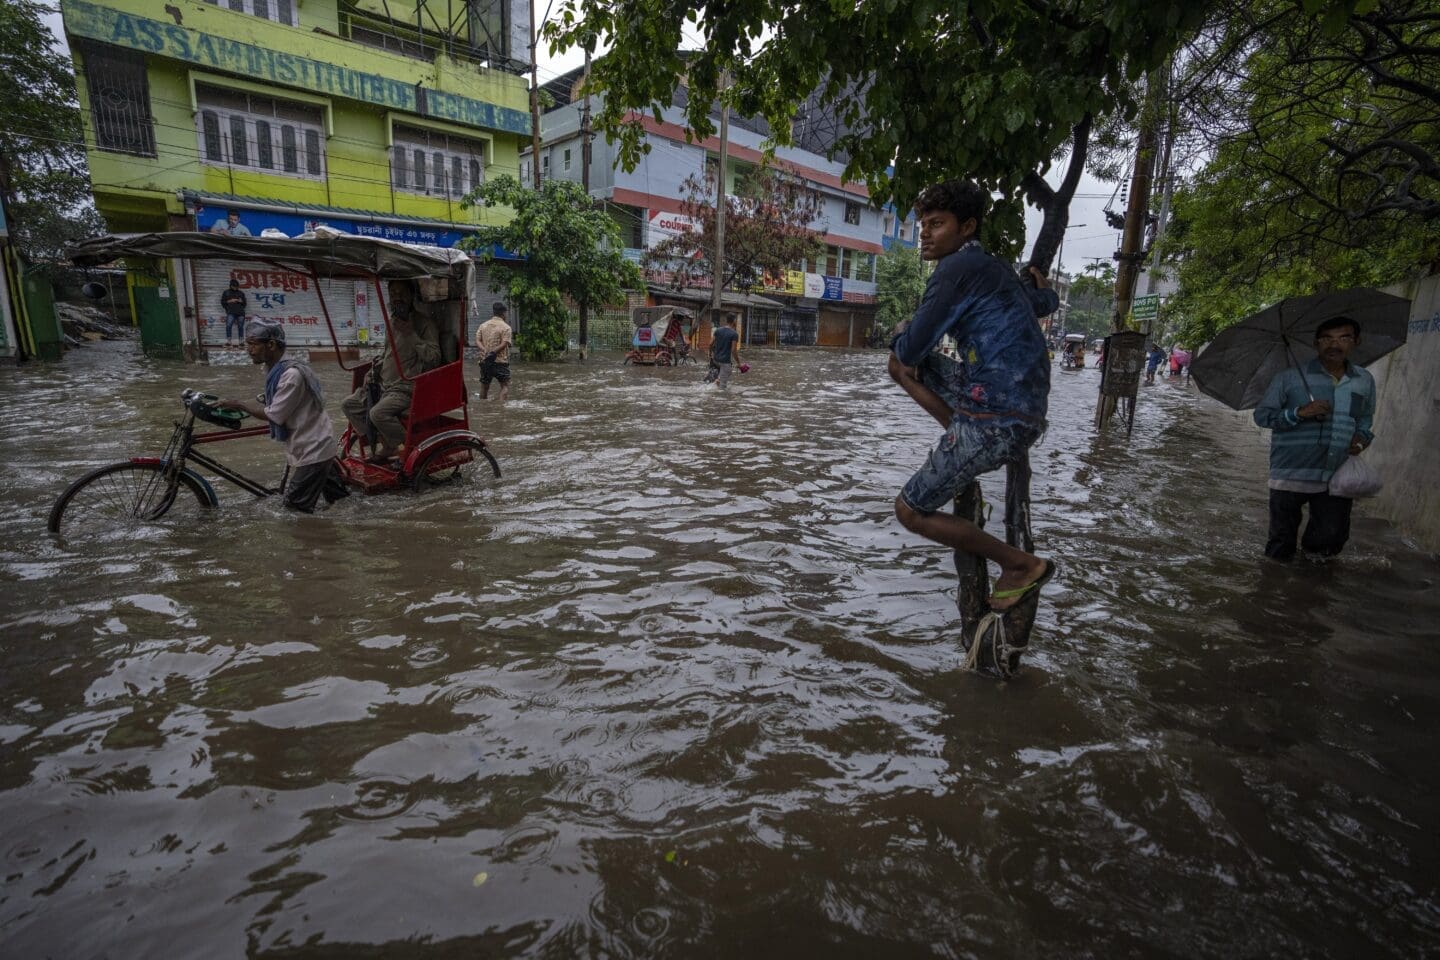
{"points": [[440, 467], [123, 495]]}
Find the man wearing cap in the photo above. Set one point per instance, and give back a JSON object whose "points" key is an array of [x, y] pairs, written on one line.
{"points": [[493, 338], [413, 350], [294, 406]]}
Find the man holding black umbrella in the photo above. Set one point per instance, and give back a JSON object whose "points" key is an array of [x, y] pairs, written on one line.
{"points": [[1318, 414]]}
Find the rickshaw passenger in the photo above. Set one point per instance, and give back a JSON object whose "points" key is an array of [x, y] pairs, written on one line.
{"points": [[294, 406], [413, 338]]}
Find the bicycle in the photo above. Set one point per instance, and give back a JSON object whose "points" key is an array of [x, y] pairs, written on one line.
{"points": [[143, 489]]}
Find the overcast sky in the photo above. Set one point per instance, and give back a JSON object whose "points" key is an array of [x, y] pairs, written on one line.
{"points": [[1087, 238]]}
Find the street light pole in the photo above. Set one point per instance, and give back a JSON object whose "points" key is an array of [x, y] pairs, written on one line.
{"points": [[1060, 272]]}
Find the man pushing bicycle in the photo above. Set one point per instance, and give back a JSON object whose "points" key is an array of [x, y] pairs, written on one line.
{"points": [[294, 406]]}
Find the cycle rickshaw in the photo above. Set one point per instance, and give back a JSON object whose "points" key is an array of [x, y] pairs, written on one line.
{"points": [[668, 348], [438, 438]]}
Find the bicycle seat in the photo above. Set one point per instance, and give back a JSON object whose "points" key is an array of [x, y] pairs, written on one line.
{"points": [[203, 406]]}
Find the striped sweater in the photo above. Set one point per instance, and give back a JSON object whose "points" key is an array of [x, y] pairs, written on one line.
{"points": [[1311, 450]]}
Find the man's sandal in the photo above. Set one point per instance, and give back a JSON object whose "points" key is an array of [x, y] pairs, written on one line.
{"points": [[1036, 584]]}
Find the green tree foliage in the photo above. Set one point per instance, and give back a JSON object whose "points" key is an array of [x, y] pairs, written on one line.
{"points": [[1325, 163], [767, 231], [572, 252], [992, 91], [899, 285], [1091, 296], [42, 155]]}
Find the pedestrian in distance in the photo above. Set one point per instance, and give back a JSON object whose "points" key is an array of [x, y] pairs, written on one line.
{"points": [[1152, 363], [493, 339], [1317, 415], [294, 406], [233, 301], [724, 353], [991, 398]]}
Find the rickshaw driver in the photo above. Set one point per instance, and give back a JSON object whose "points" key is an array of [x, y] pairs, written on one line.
{"points": [[418, 351], [294, 406]]}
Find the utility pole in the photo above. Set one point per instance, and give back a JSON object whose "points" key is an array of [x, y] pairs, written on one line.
{"points": [[585, 182], [1130, 253], [720, 206], [534, 103], [1167, 184]]}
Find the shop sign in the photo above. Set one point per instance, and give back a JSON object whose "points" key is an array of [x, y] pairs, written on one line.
{"points": [[276, 66]]}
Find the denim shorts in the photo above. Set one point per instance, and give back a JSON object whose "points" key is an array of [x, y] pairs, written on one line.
{"points": [[969, 448]]}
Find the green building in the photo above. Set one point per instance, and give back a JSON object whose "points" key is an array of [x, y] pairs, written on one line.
{"points": [[369, 116]]}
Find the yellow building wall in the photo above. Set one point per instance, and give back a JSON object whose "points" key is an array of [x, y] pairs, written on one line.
{"points": [[130, 189]]}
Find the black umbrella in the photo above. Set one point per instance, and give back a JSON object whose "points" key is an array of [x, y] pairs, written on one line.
{"points": [[1237, 366]]}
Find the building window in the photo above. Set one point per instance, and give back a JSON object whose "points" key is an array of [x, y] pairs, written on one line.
{"points": [[861, 266], [833, 261], [566, 165], [239, 130], [852, 213], [889, 227], [436, 164], [545, 165], [119, 99], [280, 11]]}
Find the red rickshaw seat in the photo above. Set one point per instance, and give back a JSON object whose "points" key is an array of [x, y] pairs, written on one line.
{"points": [[437, 392]]}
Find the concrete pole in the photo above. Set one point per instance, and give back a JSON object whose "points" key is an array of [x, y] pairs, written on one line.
{"points": [[1133, 237], [585, 182], [720, 209], [534, 102]]}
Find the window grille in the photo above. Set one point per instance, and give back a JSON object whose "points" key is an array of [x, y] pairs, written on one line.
{"points": [[239, 130], [852, 213], [439, 165], [278, 11], [119, 99]]}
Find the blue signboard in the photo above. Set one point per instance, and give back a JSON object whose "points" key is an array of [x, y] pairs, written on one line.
{"points": [[292, 225], [834, 289]]}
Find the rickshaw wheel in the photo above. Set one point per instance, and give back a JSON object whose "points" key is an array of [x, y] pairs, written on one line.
{"points": [[122, 493], [662, 359], [424, 479]]}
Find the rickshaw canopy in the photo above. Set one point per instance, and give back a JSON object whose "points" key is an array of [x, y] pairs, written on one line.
{"points": [[328, 254]]}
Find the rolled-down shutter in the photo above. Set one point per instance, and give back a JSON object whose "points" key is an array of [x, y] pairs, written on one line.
{"points": [[290, 299]]}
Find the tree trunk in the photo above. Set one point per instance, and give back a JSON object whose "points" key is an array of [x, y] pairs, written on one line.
{"points": [[1055, 204]]}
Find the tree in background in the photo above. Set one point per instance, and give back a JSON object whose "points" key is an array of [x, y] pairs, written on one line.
{"points": [[43, 174], [572, 252], [993, 91], [1091, 296], [1322, 143], [767, 231], [899, 285]]}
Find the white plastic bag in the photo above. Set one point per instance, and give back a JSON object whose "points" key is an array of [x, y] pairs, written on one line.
{"points": [[1355, 479]]}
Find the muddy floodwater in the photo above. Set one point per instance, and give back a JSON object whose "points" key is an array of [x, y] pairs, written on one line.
{"points": [[678, 685]]}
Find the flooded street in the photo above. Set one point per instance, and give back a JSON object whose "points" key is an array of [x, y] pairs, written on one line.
{"points": [[679, 685]]}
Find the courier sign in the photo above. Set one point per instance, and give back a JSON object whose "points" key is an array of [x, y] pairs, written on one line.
{"points": [[177, 42]]}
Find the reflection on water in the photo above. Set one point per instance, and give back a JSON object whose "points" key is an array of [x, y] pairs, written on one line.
{"points": [[679, 685]]}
